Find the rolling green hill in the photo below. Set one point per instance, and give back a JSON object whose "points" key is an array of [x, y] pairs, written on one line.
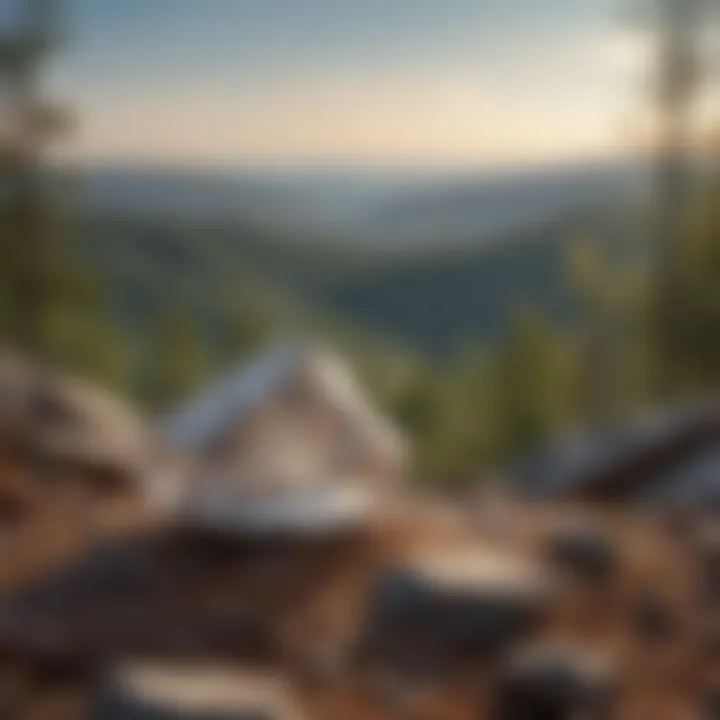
{"points": [[429, 301]]}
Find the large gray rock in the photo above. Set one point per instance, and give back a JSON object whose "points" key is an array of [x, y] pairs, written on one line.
{"points": [[455, 606], [554, 683]]}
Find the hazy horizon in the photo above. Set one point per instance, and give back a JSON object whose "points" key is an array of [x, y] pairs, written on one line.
{"points": [[414, 82]]}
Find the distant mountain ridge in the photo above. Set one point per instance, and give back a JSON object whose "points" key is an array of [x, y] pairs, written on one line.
{"points": [[488, 206], [429, 296], [375, 208]]}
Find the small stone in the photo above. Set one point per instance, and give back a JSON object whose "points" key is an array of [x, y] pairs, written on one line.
{"points": [[653, 620], [549, 683], [710, 645], [710, 704], [583, 551], [457, 605], [708, 569]]}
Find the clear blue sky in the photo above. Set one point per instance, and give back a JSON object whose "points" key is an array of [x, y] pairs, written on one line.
{"points": [[451, 81]]}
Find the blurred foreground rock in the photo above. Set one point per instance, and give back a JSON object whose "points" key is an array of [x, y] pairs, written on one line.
{"points": [[454, 606], [194, 693], [556, 683], [584, 551]]}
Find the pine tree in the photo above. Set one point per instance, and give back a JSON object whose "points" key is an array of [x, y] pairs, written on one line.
{"points": [[29, 255], [176, 362], [676, 88], [49, 303]]}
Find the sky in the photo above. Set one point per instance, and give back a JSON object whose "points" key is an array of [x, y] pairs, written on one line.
{"points": [[347, 81]]}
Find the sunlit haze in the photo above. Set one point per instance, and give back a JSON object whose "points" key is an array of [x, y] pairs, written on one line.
{"points": [[411, 81]]}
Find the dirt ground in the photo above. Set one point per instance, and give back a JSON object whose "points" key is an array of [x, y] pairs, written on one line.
{"points": [[299, 610]]}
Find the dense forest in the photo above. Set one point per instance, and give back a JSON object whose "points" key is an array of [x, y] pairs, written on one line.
{"points": [[480, 350]]}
